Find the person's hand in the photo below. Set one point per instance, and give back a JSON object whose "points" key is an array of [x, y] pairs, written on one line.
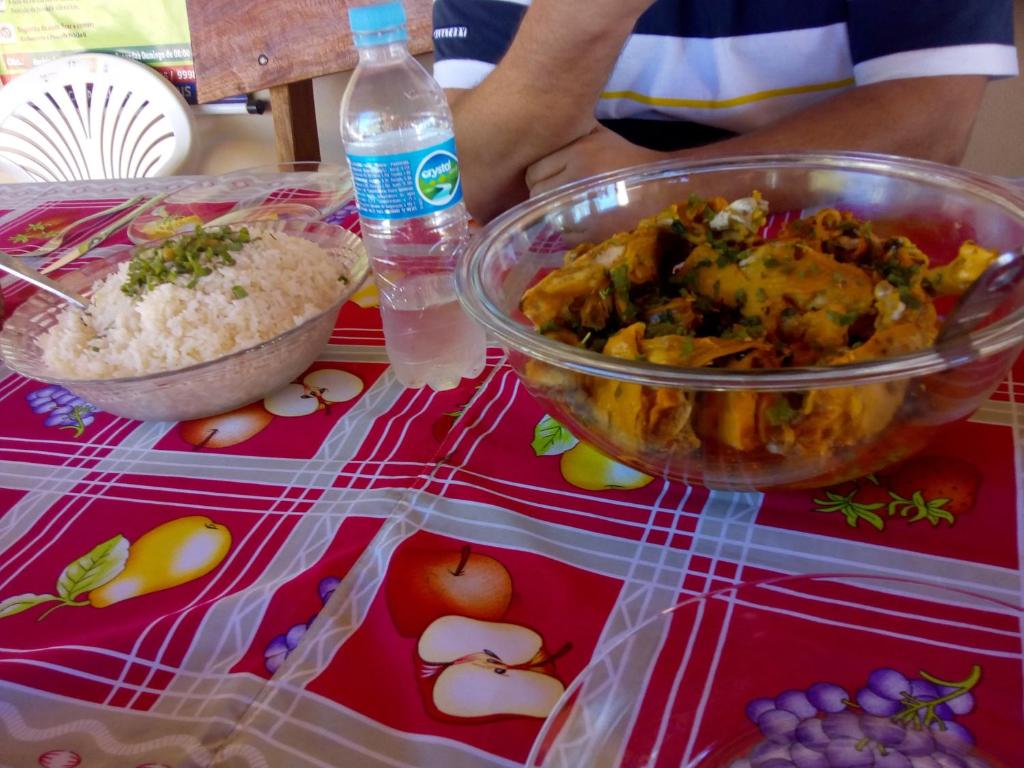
{"points": [[598, 151]]}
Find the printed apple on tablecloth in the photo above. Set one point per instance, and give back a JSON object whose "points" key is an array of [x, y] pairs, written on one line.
{"points": [[321, 396], [426, 584], [470, 665]]}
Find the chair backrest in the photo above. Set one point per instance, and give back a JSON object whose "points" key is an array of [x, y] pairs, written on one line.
{"points": [[11, 173], [232, 58], [93, 116]]}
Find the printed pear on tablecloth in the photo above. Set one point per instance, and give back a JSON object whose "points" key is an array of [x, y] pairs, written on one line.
{"points": [[137, 558], [581, 463], [167, 556]]}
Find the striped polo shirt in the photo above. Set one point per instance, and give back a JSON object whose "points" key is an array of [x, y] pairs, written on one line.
{"points": [[736, 65]]}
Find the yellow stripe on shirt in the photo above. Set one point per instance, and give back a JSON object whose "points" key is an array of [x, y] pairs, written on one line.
{"points": [[749, 98]]}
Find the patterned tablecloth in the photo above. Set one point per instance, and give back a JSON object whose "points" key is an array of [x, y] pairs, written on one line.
{"points": [[411, 578]]}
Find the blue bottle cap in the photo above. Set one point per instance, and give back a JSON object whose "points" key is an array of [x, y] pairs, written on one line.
{"points": [[377, 24]]}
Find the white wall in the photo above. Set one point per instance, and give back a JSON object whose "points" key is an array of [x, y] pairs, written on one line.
{"points": [[997, 144]]}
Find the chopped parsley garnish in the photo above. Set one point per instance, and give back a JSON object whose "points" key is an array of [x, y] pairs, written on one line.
{"points": [[620, 283], [239, 292], [843, 318], [909, 299], [780, 412], [665, 328], [727, 252], [753, 323], [195, 255], [900, 275]]}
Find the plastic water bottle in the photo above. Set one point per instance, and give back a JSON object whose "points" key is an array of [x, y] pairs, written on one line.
{"points": [[397, 130]]}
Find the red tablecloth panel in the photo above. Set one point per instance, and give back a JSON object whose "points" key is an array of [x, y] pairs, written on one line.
{"points": [[482, 462], [713, 670], [313, 553], [33, 227], [968, 508]]}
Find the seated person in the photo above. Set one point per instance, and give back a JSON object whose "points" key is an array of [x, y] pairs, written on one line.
{"points": [[557, 90]]}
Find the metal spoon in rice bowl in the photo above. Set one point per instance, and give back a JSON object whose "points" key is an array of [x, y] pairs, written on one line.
{"points": [[13, 266]]}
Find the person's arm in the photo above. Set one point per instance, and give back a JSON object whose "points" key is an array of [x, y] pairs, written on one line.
{"points": [[925, 117], [540, 96]]}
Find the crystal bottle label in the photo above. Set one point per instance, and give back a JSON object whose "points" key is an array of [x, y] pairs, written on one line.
{"points": [[407, 184]]}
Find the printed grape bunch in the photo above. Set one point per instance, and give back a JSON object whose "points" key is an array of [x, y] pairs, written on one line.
{"points": [[893, 722], [280, 646], [63, 409]]}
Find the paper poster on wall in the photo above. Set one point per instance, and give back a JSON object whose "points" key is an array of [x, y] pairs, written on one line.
{"points": [[154, 32]]}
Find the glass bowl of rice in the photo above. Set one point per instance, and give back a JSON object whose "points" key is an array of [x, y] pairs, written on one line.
{"points": [[254, 307]]}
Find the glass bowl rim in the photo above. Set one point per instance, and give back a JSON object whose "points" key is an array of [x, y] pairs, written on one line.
{"points": [[361, 263], [997, 337]]}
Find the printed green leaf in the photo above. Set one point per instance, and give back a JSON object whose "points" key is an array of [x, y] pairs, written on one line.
{"points": [[19, 603], [93, 569], [550, 438], [853, 511]]}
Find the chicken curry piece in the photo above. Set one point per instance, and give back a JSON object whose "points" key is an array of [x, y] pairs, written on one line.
{"points": [[700, 284]]}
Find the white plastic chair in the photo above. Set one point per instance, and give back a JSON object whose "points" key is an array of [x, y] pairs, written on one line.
{"points": [[11, 173], [93, 116]]}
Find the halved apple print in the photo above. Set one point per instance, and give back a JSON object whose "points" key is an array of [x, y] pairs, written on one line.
{"points": [[316, 392], [485, 669]]}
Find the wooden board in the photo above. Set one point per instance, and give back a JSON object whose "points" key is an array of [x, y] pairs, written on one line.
{"points": [[240, 47]]}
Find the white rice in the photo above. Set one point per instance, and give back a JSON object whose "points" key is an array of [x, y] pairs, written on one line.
{"points": [[286, 280]]}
